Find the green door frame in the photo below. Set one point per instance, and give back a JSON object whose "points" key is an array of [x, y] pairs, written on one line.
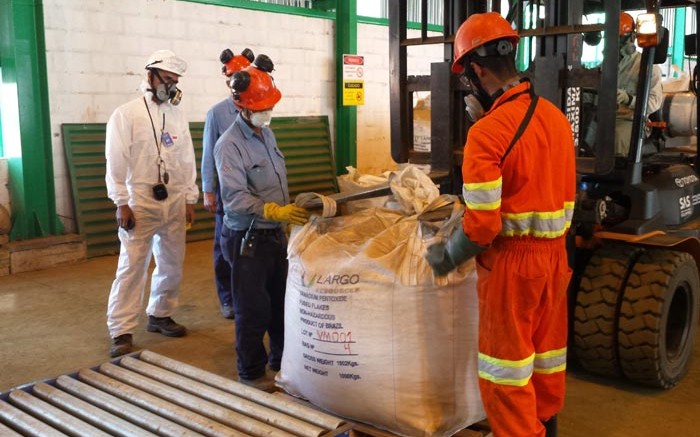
{"points": [[346, 116], [23, 60], [678, 38]]}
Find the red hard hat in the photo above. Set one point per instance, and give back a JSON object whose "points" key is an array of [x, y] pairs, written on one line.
{"points": [[237, 63], [626, 23], [254, 89], [477, 30], [233, 63]]}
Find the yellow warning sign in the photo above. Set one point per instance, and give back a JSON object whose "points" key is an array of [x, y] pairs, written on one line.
{"points": [[353, 80], [353, 92]]}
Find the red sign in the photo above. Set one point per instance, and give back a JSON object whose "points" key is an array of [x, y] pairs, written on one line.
{"points": [[353, 60]]}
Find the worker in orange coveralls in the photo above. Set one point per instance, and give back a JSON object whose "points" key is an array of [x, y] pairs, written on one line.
{"points": [[519, 188]]}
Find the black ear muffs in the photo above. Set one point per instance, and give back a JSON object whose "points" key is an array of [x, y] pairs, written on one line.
{"points": [[240, 81], [504, 47], [225, 56], [264, 63], [248, 54]]}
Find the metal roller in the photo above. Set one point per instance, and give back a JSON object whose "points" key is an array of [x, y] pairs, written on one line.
{"points": [[132, 413], [89, 413], [231, 418], [157, 405], [241, 405], [7, 432], [53, 416], [286, 406], [24, 423]]}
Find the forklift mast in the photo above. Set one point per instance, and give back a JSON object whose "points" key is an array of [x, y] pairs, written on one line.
{"points": [[556, 32], [634, 241]]}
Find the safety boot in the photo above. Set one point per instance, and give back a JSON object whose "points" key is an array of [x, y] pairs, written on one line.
{"points": [[265, 383], [120, 345], [166, 326], [551, 427], [227, 311]]}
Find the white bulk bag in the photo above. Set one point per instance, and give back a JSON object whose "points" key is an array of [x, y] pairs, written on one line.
{"points": [[371, 336]]}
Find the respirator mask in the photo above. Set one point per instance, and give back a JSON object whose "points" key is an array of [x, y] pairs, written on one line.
{"points": [[627, 46], [477, 101], [166, 91], [261, 119]]}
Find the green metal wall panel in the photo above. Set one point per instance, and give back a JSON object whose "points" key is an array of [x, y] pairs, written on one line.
{"points": [[305, 142], [23, 60]]}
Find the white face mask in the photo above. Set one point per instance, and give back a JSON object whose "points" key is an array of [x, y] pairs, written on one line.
{"points": [[261, 119]]}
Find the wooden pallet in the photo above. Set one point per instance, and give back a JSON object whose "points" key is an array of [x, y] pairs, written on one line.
{"points": [[356, 429]]}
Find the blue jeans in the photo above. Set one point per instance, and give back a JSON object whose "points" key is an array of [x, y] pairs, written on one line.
{"points": [[222, 269], [260, 282]]}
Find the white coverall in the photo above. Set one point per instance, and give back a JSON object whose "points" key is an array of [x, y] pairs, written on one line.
{"points": [[132, 170], [627, 78]]}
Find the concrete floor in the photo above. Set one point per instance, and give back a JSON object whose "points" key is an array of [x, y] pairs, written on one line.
{"points": [[52, 322]]}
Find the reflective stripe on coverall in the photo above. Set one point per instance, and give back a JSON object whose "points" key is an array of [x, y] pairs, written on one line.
{"points": [[523, 209], [132, 171]]}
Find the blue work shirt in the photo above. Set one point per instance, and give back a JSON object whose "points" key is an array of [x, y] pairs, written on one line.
{"points": [[251, 173], [219, 118]]}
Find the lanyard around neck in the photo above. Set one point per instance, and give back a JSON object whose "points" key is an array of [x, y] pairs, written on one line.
{"points": [[158, 143]]}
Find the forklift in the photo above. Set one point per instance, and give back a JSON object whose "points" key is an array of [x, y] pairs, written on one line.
{"points": [[634, 241]]}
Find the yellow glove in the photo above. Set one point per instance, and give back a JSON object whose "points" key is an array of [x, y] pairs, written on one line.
{"points": [[288, 213]]}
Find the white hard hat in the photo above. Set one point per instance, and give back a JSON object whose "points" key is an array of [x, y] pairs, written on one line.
{"points": [[166, 60]]}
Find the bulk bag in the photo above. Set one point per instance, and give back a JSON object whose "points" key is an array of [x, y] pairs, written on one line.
{"points": [[371, 334]]}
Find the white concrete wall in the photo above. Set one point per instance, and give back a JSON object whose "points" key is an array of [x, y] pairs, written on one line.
{"points": [[373, 119], [96, 51]]}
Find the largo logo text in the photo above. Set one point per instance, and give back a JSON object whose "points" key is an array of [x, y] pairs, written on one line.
{"points": [[329, 279]]}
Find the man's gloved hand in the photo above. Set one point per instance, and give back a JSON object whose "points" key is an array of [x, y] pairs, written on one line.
{"points": [[445, 257], [287, 214], [623, 98]]}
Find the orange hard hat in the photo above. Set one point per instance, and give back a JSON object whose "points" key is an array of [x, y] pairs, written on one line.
{"points": [[477, 30], [254, 89], [626, 23], [233, 63]]}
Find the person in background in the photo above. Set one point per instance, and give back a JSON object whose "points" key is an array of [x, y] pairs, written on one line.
{"points": [[519, 189], [151, 178], [255, 196], [627, 78], [219, 118]]}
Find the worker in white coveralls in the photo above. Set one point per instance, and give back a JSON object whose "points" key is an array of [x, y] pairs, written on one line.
{"points": [[627, 77], [151, 174]]}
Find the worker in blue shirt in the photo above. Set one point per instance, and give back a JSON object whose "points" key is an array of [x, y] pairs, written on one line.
{"points": [[219, 118], [255, 195]]}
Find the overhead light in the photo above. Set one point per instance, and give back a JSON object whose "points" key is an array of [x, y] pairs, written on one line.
{"points": [[648, 29]]}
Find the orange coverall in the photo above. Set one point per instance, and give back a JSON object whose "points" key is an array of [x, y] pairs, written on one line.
{"points": [[522, 210]]}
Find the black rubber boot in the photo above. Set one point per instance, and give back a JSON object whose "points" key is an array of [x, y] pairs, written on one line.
{"points": [[551, 427]]}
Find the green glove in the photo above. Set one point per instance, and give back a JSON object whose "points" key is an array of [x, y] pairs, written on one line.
{"points": [[445, 257], [287, 213]]}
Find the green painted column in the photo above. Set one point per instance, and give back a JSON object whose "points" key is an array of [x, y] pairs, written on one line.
{"points": [[346, 116], [678, 41], [23, 61]]}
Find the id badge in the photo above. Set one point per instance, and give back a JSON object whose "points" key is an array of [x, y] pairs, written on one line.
{"points": [[167, 140]]}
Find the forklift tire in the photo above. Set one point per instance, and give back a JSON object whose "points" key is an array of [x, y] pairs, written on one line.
{"points": [[659, 318], [597, 306]]}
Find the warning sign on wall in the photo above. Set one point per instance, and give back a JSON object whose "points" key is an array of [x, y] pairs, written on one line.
{"points": [[353, 80]]}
